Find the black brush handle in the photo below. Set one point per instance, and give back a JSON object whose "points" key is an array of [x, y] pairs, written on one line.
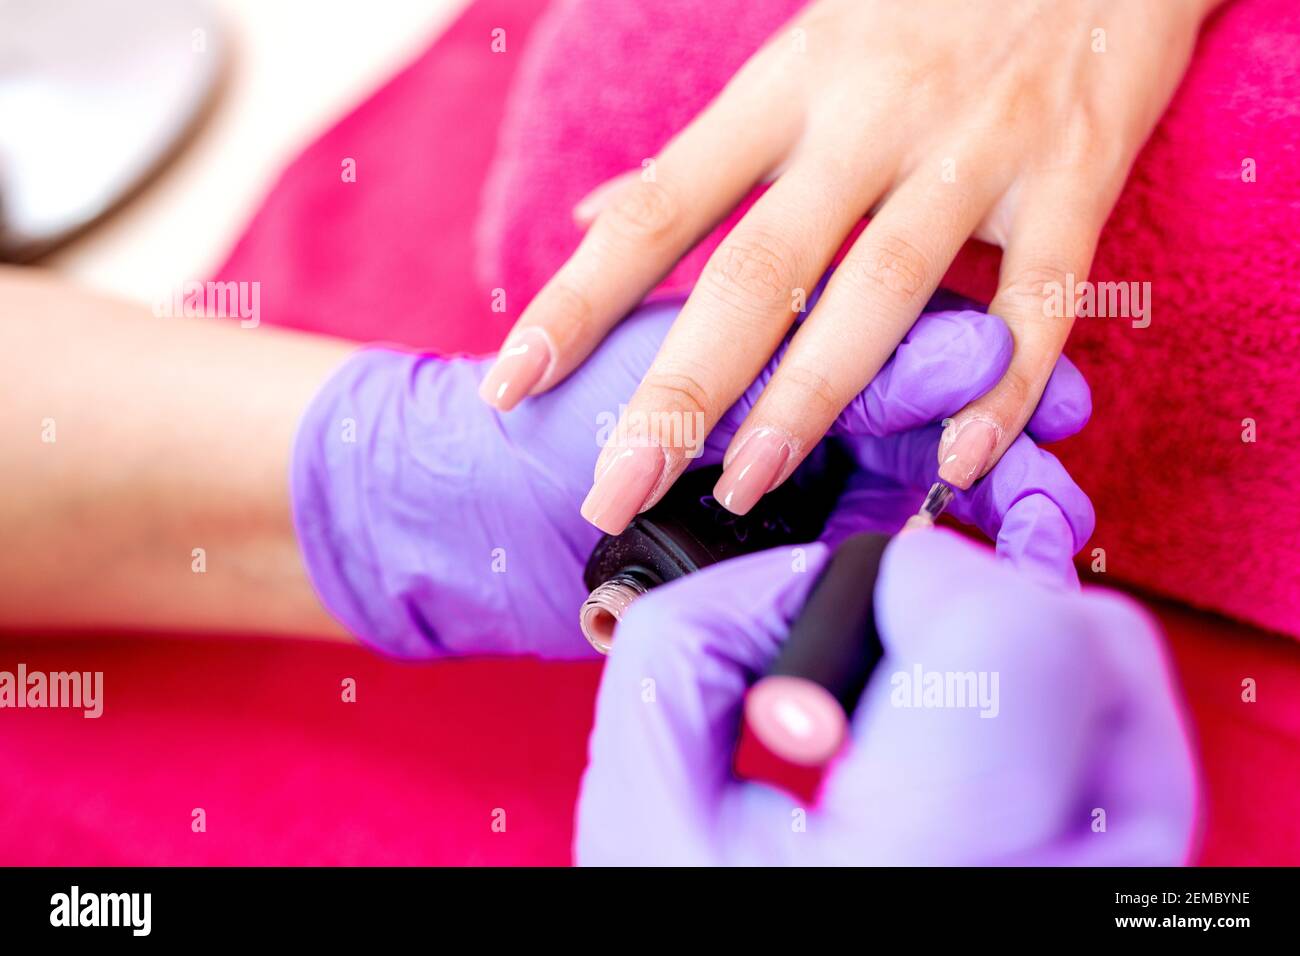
{"points": [[834, 642]]}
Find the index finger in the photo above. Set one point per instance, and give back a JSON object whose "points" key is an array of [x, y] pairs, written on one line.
{"points": [[650, 223]]}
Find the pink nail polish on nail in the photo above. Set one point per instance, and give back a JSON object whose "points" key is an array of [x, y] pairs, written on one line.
{"points": [[585, 210], [752, 472], [969, 453], [623, 487], [520, 365]]}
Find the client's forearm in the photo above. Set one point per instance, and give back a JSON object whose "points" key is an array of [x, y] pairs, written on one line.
{"points": [[145, 466]]}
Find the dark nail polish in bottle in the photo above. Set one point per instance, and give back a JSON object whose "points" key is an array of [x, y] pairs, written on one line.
{"points": [[689, 530]]}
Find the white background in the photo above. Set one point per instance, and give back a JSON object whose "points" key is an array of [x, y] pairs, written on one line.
{"points": [[295, 67]]}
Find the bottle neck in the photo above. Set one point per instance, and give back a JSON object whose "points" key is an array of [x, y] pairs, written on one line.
{"points": [[607, 604]]}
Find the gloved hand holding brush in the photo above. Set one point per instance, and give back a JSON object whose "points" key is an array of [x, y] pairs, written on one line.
{"points": [[1065, 745]]}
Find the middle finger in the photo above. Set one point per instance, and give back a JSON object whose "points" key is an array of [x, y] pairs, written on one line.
{"points": [[745, 301]]}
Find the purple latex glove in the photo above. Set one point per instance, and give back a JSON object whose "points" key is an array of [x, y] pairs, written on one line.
{"points": [[431, 524], [1028, 503], [1084, 727]]}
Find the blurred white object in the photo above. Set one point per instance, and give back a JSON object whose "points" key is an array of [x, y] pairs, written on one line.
{"points": [[94, 95]]}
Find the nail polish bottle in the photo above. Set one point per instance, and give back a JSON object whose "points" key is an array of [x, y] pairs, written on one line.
{"points": [[688, 530]]}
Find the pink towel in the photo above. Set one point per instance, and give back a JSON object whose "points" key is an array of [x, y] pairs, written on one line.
{"points": [[1186, 508], [256, 734]]}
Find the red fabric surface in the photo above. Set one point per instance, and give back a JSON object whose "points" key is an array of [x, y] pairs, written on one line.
{"points": [[256, 733]]}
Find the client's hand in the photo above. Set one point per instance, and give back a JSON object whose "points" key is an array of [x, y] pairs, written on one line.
{"points": [[1014, 121], [431, 524], [1073, 754]]}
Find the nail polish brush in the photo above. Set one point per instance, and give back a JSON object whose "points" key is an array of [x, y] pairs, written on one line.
{"points": [[936, 500]]}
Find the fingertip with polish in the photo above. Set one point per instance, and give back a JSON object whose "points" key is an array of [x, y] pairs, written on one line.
{"points": [[965, 450], [584, 212], [623, 487], [752, 471], [520, 365]]}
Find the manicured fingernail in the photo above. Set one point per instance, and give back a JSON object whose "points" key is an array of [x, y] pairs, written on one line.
{"points": [[752, 471], [623, 487], [967, 452], [520, 365], [587, 208]]}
